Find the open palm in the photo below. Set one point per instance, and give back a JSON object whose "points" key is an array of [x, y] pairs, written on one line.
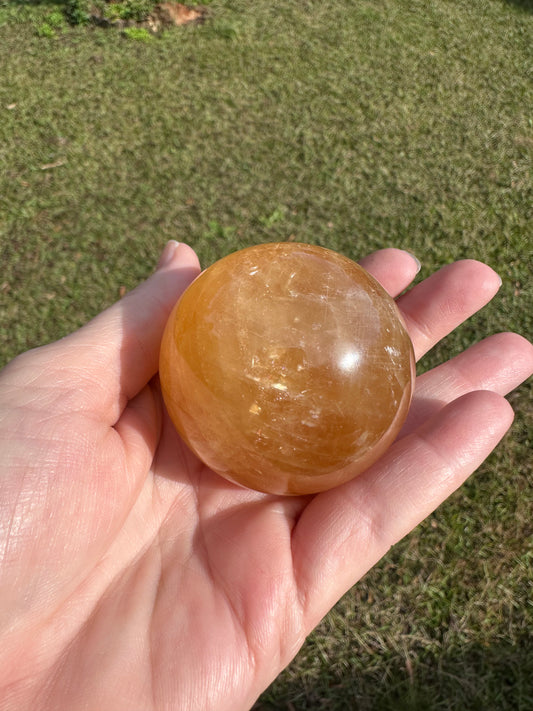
{"points": [[133, 578]]}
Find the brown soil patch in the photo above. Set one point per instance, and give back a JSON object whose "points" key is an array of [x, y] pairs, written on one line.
{"points": [[163, 15]]}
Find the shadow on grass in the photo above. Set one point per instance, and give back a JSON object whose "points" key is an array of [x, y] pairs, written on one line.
{"points": [[525, 5], [476, 678]]}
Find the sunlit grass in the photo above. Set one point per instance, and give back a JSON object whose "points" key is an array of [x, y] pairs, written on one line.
{"points": [[351, 125]]}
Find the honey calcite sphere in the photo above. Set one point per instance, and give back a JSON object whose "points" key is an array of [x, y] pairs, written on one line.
{"points": [[287, 368]]}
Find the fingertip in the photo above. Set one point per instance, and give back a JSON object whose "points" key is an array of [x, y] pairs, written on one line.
{"points": [[177, 254], [178, 266], [185, 256], [483, 418], [167, 255], [393, 268], [521, 348], [498, 413], [497, 409], [516, 355], [487, 278], [414, 259]]}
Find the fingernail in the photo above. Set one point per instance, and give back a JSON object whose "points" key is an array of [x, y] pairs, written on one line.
{"points": [[167, 254], [415, 259]]}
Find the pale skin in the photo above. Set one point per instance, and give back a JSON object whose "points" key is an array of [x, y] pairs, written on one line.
{"points": [[133, 578]]}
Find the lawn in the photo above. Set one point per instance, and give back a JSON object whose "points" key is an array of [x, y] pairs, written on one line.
{"points": [[353, 125]]}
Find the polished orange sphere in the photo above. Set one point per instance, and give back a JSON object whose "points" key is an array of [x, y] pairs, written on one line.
{"points": [[287, 368]]}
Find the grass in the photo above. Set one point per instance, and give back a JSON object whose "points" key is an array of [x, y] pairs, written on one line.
{"points": [[351, 125]]}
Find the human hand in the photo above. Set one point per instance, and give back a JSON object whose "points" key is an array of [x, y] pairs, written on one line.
{"points": [[133, 578]]}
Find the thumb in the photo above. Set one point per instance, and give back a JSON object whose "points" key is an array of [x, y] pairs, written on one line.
{"points": [[118, 350]]}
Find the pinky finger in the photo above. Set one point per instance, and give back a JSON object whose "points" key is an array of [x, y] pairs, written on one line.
{"points": [[344, 532]]}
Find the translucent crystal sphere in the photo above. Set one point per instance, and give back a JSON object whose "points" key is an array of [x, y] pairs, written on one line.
{"points": [[287, 368]]}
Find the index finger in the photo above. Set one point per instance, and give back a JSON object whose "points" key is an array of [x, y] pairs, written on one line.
{"points": [[440, 303]]}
